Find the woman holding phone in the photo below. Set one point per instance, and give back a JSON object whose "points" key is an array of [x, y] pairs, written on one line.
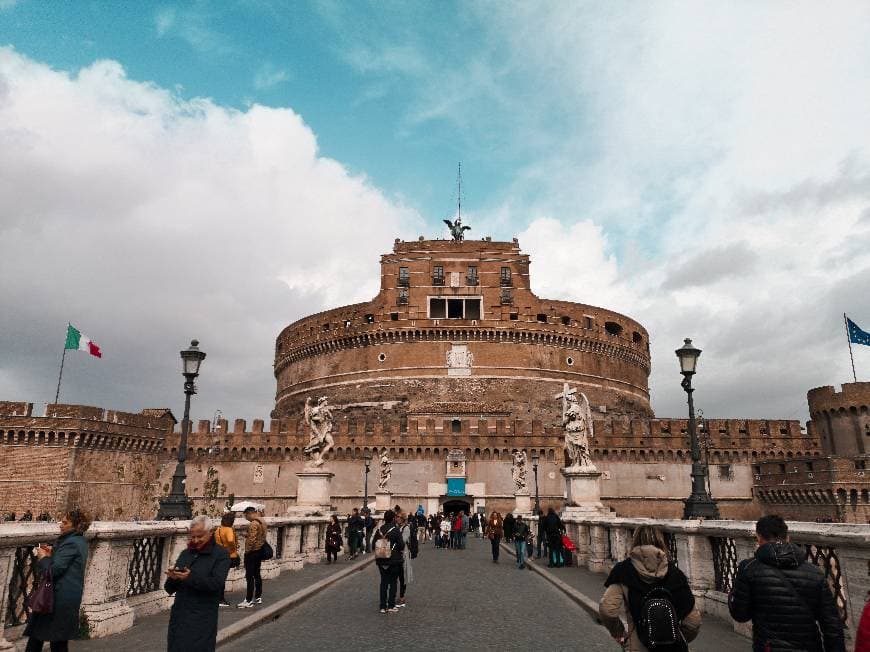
{"points": [[66, 561]]}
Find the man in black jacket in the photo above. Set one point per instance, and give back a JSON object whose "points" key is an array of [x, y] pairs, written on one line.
{"points": [[787, 598], [391, 567], [355, 528]]}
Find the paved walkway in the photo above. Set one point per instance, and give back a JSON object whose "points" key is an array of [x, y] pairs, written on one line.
{"points": [[459, 600], [150, 633]]}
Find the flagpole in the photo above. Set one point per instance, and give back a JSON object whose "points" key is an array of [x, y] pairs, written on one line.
{"points": [[60, 375], [849, 340]]}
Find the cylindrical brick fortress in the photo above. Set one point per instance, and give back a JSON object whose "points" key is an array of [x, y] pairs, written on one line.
{"points": [[455, 330]]}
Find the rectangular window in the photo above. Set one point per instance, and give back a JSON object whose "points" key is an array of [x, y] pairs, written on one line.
{"points": [[514, 316], [370, 319], [588, 323], [394, 316], [403, 296], [505, 275], [860, 465], [454, 308], [472, 275], [438, 275], [404, 278], [542, 318], [456, 426], [809, 466], [437, 309], [566, 321]]}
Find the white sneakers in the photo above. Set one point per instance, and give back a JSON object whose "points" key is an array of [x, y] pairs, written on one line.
{"points": [[244, 604]]}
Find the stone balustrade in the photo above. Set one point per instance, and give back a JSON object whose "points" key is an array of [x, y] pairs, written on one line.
{"points": [[126, 565], [708, 552]]}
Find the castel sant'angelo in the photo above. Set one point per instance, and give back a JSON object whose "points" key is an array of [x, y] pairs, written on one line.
{"points": [[452, 367]]}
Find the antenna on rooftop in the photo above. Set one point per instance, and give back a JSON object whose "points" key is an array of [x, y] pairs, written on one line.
{"points": [[457, 230]]}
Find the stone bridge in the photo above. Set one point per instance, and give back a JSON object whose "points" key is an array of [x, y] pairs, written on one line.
{"points": [[124, 604]]}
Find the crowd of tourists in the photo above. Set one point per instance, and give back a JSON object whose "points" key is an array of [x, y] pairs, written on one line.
{"points": [[647, 604]]}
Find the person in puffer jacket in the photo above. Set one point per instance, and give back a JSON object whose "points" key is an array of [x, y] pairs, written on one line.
{"points": [[785, 596]]}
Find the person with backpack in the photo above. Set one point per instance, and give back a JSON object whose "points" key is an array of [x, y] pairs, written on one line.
{"points": [[521, 536], [508, 526], [787, 598], [388, 547], [659, 605]]}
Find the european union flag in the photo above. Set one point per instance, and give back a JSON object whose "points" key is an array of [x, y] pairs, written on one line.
{"points": [[856, 335]]}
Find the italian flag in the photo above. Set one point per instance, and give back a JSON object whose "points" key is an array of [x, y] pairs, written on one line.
{"points": [[78, 342]]}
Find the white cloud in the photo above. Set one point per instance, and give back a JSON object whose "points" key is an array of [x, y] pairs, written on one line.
{"points": [[268, 76], [146, 220]]}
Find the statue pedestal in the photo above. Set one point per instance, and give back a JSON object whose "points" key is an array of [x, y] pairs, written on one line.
{"points": [[583, 492], [313, 491], [383, 501], [523, 503]]}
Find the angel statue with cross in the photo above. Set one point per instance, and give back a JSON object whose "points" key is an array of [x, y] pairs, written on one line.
{"points": [[457, 229], [577, 422]]}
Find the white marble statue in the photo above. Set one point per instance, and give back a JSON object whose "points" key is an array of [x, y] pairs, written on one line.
{"points": [[577, 422], [320, 422], [386, 471], [519, 470]]}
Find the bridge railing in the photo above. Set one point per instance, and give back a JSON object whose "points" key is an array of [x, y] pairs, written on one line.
{"points": [[126, 565], [708, 552]]}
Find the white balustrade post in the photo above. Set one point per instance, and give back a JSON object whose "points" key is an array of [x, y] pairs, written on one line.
{"points": [[7, 563], [598, 562]]}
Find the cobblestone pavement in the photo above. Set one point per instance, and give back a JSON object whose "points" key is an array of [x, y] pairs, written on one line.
{"points": [[459, 600], [149, 633]]}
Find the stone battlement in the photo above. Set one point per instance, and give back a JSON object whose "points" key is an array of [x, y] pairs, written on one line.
{"points": [[485, 438]]}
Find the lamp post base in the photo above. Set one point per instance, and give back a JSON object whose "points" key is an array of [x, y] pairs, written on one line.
{"points": [[175, 507], [700, 507]]}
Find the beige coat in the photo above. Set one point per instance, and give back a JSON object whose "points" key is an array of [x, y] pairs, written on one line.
{"points": [[650, 563]]}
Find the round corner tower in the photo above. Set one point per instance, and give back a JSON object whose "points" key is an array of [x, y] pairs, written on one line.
{"points": [[456, 331]]}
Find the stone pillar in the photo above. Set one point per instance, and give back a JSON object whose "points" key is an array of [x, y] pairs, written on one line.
{"points": [[598, 562], [7, 561], [313, 492], [523, 504], [104, 602], [582, 542], [583, 492], [383, 501]]}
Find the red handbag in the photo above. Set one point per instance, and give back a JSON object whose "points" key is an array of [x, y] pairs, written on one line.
{"points": [[567, 544], [41, 601]]}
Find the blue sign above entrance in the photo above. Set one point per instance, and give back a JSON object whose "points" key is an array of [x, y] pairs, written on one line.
{"points": [[455, 486]]}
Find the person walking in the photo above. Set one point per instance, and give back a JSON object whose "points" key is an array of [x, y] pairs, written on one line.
{"points": [[197, 581], [65, 560], [474, 524], [333, 540], [389, 562], [494, 532], [521, 534], [463, 530], [355, 528], [554, 529], [446, 533], [225, 537], [409, 538], [542, 536], [455, 530], [630, 584], [254, 542], [509, 527], [787, 598], [369, 525]]}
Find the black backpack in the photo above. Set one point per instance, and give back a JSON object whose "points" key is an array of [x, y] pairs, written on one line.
{"points": [[658, 627]]}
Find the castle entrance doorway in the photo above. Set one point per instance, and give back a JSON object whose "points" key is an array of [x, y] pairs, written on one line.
{"points": [[457, 505]]}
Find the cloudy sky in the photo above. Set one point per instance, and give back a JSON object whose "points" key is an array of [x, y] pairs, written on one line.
{"points": [[220, 170]]}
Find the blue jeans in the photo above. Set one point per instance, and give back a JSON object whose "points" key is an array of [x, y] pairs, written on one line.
{"points": [[520, 545]]}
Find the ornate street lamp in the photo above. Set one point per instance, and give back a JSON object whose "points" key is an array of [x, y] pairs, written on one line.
{"points": [[535, 457], [367, 457], [177, 506], [700, 504]]}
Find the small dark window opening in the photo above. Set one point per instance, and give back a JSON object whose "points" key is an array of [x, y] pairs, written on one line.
{"points": [[612, 327], [347, 323], [514, 316], [326, 327], [636, 337], [456, 426], [437, 308], [725, 472], [370, 319], [454, 308], [809, 466], [860, 465], [542, 318], [588, 322], [756, 469], [566, 321], [505, 275], [394, 316], [782, 468]]}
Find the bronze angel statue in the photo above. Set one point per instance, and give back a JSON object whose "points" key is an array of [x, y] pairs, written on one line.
{"points": [[457, 229]]}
